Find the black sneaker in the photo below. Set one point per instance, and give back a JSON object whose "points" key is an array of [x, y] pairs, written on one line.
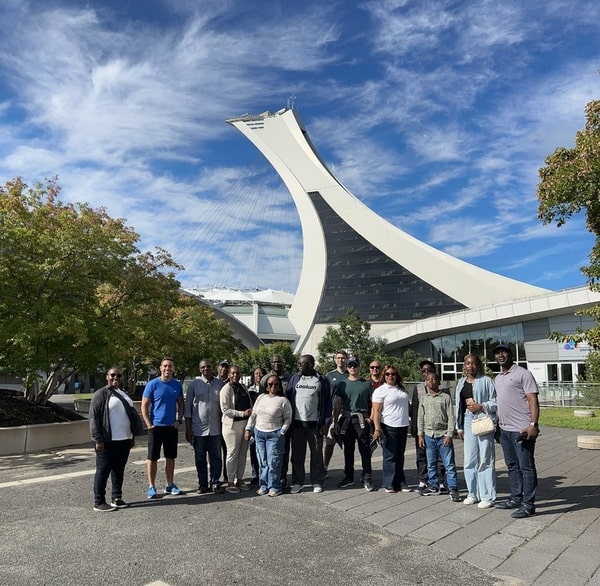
{"points": [[218, 488], [508, 504], [429, 491], [202, 489], [118, 504], [444, 490], [346, 482], [103, 508], [455, 496]]}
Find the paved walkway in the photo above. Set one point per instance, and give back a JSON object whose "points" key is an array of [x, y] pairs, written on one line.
{"points": [[559, 545]]}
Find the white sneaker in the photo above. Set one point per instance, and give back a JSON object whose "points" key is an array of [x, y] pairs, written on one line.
{"points": [[485, 505], [317, 488], [296, 488], [470, 500]]}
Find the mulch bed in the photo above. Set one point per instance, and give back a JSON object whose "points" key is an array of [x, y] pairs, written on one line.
{"points": [[15, 410]]}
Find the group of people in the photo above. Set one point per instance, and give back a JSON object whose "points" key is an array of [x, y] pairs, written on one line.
{"points": [[279, 416]]}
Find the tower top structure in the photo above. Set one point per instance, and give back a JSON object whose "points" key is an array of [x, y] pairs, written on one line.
{"points": [[352, 257]]}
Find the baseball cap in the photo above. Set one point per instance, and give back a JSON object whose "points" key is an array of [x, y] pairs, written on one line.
{"points": [[502, 347], [352, 360], [224, 363]]}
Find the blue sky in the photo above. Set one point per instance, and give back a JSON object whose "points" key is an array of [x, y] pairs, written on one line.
{"points": [[436, 114]]}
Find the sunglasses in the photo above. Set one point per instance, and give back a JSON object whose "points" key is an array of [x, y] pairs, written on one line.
{"points": [[352, 365], [114, 375], [390, 373], [375, 367], [272, 384]]}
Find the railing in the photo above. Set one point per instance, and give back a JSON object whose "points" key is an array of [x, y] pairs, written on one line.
{"points": [[569, 394]]}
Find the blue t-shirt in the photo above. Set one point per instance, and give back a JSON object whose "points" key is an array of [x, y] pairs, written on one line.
{"points": [[163, 398]]}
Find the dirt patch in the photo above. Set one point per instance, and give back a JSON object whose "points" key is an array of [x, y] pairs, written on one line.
{"points": [[15, 410]]}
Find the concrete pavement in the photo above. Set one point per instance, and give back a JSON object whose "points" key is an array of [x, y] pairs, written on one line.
{"points": [[344, 535]]}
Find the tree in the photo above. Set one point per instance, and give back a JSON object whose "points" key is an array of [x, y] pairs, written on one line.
{"points": [[569, 184], [72, 283], [251, 359], [352, 335], [197, 333]]}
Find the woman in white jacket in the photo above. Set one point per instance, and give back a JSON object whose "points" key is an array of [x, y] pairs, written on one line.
{"points": [[476, 397]]}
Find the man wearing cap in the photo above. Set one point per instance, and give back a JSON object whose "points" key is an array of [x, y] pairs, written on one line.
{"points": [[518, 413], [353, 401], [419, 391]]}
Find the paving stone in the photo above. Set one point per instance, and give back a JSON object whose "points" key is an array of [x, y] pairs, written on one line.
{"points": [[578, 559]]}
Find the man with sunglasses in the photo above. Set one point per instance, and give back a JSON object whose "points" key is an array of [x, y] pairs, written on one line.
{"points": [[112, 429], [375, 375], [162, 410]]}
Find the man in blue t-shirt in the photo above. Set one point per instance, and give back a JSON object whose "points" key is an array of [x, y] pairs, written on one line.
{"points": [[162, 410]]}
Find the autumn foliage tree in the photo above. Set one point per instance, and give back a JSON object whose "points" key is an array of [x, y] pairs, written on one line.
{"points": [[76, 293]]}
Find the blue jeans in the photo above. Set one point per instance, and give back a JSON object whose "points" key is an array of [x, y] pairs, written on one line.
{"points": [[208, 445], [394, 445], [520, 461], [111, 462], [270, 446], [434, 447]]}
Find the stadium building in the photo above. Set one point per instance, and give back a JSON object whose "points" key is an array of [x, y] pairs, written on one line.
{"points": [[412, 294]]}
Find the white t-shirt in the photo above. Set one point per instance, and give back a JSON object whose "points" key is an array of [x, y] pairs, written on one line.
{"points": [[120, 424], [308, 389], [394, 411]]}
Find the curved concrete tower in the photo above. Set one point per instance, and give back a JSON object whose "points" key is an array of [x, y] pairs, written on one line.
{"points": [[353, 258]]}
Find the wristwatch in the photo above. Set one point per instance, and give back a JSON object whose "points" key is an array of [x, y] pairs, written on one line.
{"points": [[534, 424]]}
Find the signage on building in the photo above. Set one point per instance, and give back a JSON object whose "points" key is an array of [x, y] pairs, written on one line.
{"points": [[570, 349]]}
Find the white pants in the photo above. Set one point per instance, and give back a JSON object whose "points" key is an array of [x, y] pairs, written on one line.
{"points": [[237, 448]]}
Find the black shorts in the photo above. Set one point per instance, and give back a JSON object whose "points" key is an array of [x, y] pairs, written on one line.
{"points": [[165, 437]]}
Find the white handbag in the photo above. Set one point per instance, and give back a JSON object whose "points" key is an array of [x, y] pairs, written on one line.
{"points": [[482, 425]]}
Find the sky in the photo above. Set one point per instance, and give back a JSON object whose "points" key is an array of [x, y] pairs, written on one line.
{"points": [[436, 114]]}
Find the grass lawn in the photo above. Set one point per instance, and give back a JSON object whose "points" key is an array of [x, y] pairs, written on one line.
{"points": [[563, 417]]}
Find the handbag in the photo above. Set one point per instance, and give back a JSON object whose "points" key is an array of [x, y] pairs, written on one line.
{"points": [[482, 425]]}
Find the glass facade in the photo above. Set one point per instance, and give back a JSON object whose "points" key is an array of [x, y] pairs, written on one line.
{"points": [[448, 352], [361, 277]]}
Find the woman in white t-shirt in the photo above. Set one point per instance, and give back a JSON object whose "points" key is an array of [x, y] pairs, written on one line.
{"points": [[390, 418]]}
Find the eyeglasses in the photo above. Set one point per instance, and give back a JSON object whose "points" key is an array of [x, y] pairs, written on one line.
{"points": [[427, 370], [115, 375], [375, 367], [352, 365], [272, 384], [389, 373]]}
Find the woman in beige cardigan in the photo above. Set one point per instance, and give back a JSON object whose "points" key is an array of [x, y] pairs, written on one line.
{"points": [[236, 406]]}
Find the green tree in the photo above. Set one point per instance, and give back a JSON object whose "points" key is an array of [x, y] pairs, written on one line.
{"points": [[72, 284], [197, 333], [569, 184], [353, 335], [248, 360]]}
